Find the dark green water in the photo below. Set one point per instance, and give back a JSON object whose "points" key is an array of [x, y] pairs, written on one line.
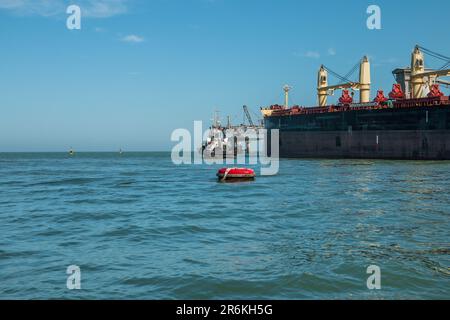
{"points": [[141, 228]]}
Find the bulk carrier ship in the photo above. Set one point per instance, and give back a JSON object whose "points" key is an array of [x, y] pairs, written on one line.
{"points": [[412, 123]]}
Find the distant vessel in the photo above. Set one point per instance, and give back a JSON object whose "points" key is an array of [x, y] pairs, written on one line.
{"points": [[412, 123]]}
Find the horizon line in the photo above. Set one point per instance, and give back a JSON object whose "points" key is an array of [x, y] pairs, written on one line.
{"points": [[115, 151]]}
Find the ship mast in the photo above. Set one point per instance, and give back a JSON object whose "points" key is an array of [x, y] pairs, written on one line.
{"points": [[322, 86], [286, 89], [216, 119], [364, 81], [417, 68]]}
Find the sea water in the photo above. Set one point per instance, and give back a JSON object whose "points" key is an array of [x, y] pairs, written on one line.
{"points": [[139, 227]]}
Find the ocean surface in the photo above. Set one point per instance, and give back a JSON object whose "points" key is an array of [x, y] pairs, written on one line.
{"points": [[140, 227]]}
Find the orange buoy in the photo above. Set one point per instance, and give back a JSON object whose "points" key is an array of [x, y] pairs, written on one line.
{"points": [[235, 174]]}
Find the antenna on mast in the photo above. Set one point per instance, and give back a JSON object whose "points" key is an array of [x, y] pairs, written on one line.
{"points": [[216, 119]]}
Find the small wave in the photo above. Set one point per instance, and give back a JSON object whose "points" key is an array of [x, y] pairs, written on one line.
{"points": [[16, 254], [62, 182]]}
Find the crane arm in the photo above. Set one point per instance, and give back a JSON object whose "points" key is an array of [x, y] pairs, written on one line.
{"points": [[354, 86], [249, 117], [437, 73], [443, 82]]}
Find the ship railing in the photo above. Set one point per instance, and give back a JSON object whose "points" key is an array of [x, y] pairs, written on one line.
{"points": [[390, 104]]}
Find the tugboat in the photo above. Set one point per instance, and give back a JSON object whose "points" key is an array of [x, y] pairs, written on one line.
{"points": [[218, 143]]}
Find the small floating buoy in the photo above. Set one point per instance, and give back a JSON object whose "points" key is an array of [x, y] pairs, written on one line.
{"points": [[236, 174]]}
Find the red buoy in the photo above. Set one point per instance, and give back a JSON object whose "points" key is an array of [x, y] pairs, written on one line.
{"points": [[227, 174]]}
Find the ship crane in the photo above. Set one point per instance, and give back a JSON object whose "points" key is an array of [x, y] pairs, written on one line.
{"points": [[249, 117], [419, 75], [363, 86]]}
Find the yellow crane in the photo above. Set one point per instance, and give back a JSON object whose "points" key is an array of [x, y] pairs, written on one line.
{"points": [[419, 75], [363, 86]]}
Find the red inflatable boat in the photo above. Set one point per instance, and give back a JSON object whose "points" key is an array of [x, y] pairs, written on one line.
{"points": [[227, 174]]}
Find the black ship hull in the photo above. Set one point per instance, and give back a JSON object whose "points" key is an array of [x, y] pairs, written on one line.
{"points": [[419, 133]]}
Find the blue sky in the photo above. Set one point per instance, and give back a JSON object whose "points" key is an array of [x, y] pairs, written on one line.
{"points": [[139, 69]]}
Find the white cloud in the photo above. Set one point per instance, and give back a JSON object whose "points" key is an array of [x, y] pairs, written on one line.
{"points": [[48, 8], [312, 54], [308, 54], [133, 38], [37, 7], [104, 8], [10, 4]]}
